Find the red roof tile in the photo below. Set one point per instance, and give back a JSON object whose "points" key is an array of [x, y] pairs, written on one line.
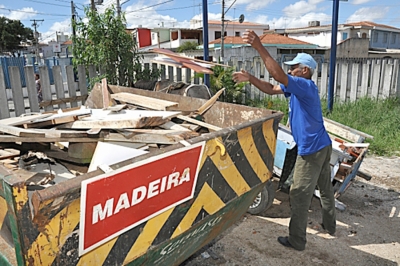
{"points": [[369, 24], [269, 38]]}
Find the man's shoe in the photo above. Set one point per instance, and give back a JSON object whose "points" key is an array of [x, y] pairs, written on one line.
{"points": [[323, 227], [284, 240]]}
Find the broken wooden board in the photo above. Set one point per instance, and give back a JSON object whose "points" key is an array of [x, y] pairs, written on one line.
{"points": [[17, 121], [63, 155], [147, 102], [59, 118], [20, 132], [8, 153], [173, 126], [56, 133], [154, 137], [209, 103], [7, 138], [200, 123], [51, 122]]}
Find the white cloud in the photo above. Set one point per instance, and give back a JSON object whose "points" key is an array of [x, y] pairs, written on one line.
{"points": [[23, 13], [301, 7], [294, 22], [360, 2], [368, 14], [63, 26], [254, 5]]}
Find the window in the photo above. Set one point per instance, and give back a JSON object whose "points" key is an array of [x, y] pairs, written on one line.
{"points": [[344, 35], [394, 36], [385, 37], [237, 33], [376, 36], [217, 35], [364, 36]]}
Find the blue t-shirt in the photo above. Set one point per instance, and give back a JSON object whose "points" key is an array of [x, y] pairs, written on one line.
{"points": [[305, 115]]}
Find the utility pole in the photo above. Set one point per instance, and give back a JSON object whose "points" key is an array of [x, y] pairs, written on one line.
{"points": [[73, 19], [35, 25], [118, 8], [92, 6], [222, 30]]}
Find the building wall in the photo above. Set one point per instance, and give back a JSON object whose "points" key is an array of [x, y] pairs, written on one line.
{"points": [[352, 48], [385, 39]]}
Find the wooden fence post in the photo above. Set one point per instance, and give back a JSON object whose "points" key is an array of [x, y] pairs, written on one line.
{"points": [[354, 82], [16, 87], [31, 88], [376, 74], [387, 78], [46, 87], [4, 110], [71, 84], [82, 81], [59, 85], [365, 78]]}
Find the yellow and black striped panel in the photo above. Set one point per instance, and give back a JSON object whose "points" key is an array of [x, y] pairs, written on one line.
{"points": [[3, 211], [231, 166]]}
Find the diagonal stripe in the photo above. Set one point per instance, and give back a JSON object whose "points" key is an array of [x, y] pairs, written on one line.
{"points": [[227, 167], [270, 135], [3, 210], [148, 235], [98, 255], [207, 200], [49, 242], [20, 197], [250, 150]]}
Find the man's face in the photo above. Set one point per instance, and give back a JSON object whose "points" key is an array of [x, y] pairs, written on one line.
{"points": [[295, 70]]}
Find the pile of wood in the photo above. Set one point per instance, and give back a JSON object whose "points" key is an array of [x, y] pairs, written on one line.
{"points": [[84, 138]]}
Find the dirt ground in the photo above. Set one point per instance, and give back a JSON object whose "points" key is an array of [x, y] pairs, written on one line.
{"points": [[368, 231]]}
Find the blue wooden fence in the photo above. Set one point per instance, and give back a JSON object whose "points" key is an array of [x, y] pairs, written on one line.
{"points": [[5, 62]]}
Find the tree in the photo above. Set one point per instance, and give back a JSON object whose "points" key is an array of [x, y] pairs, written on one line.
{"points": [[187, 46], [103, 42], [12, 33]]}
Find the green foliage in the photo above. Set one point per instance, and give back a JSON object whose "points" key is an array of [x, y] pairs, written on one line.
{"points": [[145, 73], [12, 33], [222, 78], [103, 42], [378, 118], [187, 46]]}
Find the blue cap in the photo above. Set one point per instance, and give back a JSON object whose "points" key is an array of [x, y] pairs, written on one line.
{"points": [[303, 58]]}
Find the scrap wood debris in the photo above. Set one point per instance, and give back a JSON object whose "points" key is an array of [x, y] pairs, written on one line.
{"points": [[70, 136]]}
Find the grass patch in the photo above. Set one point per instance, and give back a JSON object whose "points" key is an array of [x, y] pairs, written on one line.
{"points": [[379, 118]]}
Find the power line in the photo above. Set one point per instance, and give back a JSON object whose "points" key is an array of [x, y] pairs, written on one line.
{"points": [[149, 6], [32, 12], [45, 3]]}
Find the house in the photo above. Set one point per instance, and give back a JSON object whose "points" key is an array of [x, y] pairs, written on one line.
{"points": [[232, 28], [358, 39]]}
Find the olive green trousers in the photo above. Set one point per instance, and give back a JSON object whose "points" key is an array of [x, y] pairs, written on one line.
{"points": [[311, 171]]}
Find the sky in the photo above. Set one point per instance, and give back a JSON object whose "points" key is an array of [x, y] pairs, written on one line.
{"points": [[278, 14]]}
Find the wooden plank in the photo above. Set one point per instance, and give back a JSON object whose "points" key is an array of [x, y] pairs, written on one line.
{"points": [[16, 87], [354, 82], [105, 93], [200, 123], [146, 138], [17, 121], [58, 133], [8, 138], [168, 52], [31, 87], [71, 84], [63, 100], [63, 155], [209, 102], [345, 132], [53, 121], [20, 132], [59, 85], [82, 82], [112, 124], [46, 87], [8, 153], [173, 126], [148, 102], [4, 110]]}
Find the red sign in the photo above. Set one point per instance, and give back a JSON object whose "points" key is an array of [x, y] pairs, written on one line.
{"points": [[117, 201]]}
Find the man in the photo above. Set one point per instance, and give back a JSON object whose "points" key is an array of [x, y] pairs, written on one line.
{"points": [[312, 166], [38, 88]]}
